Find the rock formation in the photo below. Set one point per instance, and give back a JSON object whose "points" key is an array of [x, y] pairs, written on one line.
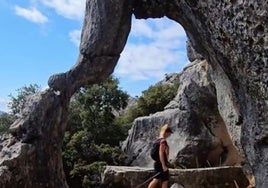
{"points": [[230, 35], [219, 177], [200, 137], [30, 156]]}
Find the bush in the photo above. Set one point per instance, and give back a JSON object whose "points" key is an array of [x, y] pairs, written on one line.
{"points": [[5, 121], [152, 100]]}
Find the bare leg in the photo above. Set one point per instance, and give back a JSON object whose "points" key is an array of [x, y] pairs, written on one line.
{"points": [[165, 184], [153, 183]]}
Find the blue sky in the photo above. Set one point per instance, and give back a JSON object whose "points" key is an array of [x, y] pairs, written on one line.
{"points": [[41, 37]]}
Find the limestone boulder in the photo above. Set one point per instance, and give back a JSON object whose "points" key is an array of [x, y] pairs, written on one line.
{"points": [[135, 177], [201, 137]]}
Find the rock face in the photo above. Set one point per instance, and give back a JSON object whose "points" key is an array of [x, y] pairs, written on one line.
{"points": [[201, 137], [134, 177], [30, 156], [230, 35]]}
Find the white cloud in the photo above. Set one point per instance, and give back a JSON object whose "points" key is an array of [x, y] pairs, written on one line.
{"points": [[138, 62], [155, 48], [141, 28], [72, 9], [75, 36], [173, 36], [155, 45], [31, 14], [157, 28]]}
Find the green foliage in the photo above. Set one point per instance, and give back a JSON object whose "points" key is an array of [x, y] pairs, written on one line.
{"points": [[154, 99], [96, 106], [92, 136], [89, 174], [5, 121], [84, 161], [17, 103]]}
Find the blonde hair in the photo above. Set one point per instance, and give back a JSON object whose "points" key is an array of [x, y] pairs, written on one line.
{"points": [[163, 130]]}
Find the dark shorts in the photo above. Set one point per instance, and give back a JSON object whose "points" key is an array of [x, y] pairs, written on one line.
{"points": [[163, 176]]}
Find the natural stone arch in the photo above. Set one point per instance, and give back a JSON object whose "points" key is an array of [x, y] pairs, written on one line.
{"points": [[31, 154], [231, 35]]}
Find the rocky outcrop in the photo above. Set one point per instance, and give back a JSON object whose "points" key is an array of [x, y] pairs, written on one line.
{"points": [[191, 52], [30, 156], [134, 177], [230, 35], [200, 137]]}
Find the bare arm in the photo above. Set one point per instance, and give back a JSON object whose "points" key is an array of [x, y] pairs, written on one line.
{"points": [[162, 152]]}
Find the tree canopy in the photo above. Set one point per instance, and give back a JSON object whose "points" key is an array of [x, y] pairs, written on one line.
{"points": [[154, 99], [15, 104], [92, 136]]}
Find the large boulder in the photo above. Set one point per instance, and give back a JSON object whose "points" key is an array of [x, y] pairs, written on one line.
{"points": [[135, 177], [201, 137]]}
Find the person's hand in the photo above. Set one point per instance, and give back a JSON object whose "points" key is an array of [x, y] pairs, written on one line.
{"points": [[165, 168]]}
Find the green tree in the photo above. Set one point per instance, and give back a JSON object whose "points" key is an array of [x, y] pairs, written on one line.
{"points": [[17, 102], [100, 102], [154, 99], [92, 136], [5, 121]]}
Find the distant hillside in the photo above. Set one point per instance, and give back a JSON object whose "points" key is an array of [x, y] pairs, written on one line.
{"points": [[1, 112]]}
